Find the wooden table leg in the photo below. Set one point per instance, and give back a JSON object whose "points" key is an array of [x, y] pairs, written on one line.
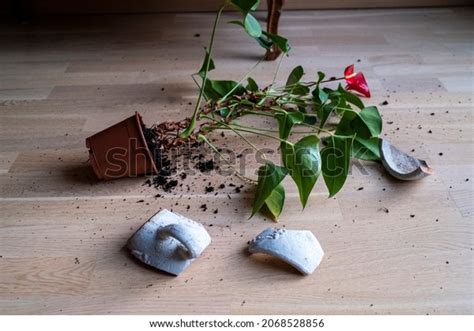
{"points": [[274, 12]]}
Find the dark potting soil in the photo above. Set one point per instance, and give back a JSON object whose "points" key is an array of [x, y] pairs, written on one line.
{"points": [[205, 166], [209, 189], [167, 162]]}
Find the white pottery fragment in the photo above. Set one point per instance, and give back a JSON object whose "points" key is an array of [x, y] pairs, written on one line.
{"points": [[299, 248], [402, 166], [169, 242]]}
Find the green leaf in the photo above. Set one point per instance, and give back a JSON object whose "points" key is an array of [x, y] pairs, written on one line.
{"points": [[299, 89], [216, 89], [371, 117], [252, 26], [342, 105], [367, 123], [224, 111], [269, 176], [335, 158], [274, 203], [280, 41], [332, 93], [344, 127], [295, 76], [246, 5], [286, 122], [267, 40], [366, 149], [254, 30], [252, 85], [202, 71], [264, 41], [239, 23], [321, 76], [319, 95], [311, 120], [350, 97], [303, 160], [325, 111]]}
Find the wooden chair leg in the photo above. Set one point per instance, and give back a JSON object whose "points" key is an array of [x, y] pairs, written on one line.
{"points": [[274, 12]]}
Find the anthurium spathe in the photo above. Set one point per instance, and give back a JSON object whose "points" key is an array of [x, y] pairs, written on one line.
{"points": [[356, 81]]}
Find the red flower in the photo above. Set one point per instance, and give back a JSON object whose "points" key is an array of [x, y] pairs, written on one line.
{"points": [[356, 81]]}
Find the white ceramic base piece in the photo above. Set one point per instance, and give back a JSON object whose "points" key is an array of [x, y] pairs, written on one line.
{"points": [[299, 248], [401, 165], [169, 242]]}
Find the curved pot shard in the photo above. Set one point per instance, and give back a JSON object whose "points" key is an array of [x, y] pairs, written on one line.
{"points": [[402, 166], [298, 248], [169, 242]]}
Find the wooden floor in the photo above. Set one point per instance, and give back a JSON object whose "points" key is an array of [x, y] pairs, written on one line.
{"points": [[391, 247]]}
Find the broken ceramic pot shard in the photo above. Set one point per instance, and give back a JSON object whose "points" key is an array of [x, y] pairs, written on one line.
{"points": [[298, 248], [401, 165], [169, 242]]}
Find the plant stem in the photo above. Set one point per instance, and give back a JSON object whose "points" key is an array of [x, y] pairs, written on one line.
{"points": [[192, 124], [230, 127], [278, 69], [309, 84], [236, 172], [256, 113], [195, 81], [257, 133], [253, 128], [331, 80], [240, 81], [273, 82], [269, 130], [343, 108], [316, 128], [249, 143]]}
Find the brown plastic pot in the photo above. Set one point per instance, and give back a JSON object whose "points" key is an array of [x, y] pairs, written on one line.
{"points": [[121, 150]]}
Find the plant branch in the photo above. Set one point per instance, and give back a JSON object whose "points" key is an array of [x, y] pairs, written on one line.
{"points": [[192, 124], [278, 70], [240, 81], [240, 128], [236, 172]]}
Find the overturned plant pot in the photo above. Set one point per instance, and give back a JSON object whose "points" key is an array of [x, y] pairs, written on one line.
{"points": [[121, 150]]}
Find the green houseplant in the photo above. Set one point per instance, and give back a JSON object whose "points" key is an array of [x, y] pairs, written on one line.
{"points": [[322, 151]]}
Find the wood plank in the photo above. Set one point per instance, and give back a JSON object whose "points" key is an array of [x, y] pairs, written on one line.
{"points": [[391, 247]]}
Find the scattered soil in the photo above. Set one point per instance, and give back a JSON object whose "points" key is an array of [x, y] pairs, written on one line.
{"points": [[184, 166], [209, 189], [205, 166], [170, 152]]}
